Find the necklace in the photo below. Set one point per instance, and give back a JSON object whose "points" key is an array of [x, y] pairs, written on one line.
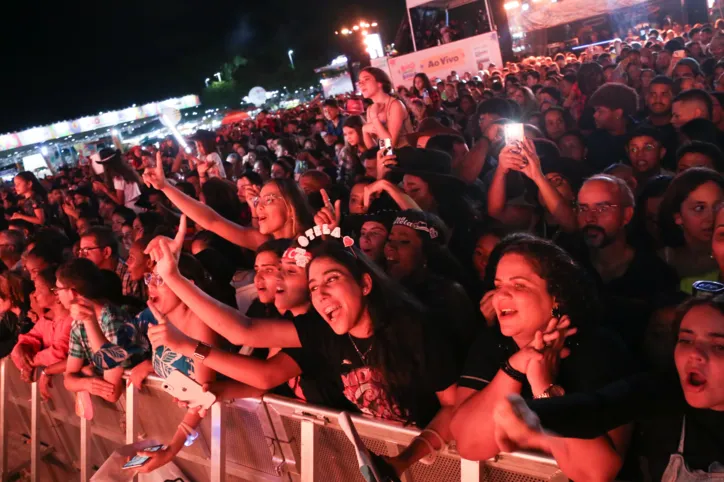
{"points": [[362, 357]]}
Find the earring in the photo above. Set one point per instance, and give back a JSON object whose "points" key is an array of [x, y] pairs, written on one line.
{"points": [[555, 312]]}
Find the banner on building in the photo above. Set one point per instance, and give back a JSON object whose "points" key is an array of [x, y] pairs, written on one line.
{"points": [[467, 55]]}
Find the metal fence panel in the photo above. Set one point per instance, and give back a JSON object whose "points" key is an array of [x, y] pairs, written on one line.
{"points": [[272, 439]]}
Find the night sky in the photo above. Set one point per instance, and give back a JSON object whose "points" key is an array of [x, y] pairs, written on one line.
{"points": [[63, 60]]}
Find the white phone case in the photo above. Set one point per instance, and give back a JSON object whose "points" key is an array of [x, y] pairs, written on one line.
{"points": [[185, 389]]}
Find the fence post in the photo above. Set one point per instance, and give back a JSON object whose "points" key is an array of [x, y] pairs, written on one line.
{"points": [[469, 470], [307, 455], [218, 442], [85, 449], [3, 420], [34, 431], [131, 417]]}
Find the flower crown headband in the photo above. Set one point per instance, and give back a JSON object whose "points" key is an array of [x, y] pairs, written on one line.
{"points": [[302, 257]]}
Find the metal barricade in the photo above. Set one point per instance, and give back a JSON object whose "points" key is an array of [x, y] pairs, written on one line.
{"points": [[272, 439]]}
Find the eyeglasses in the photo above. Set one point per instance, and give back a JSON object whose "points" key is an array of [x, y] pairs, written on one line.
{"points": [[647, 148], [267, 199], [56, 289], [152, 279], [603, 208], [83, 252]]}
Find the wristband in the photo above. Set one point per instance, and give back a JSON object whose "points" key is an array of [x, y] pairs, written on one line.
{"points": [[513, 373], [202, 351]]}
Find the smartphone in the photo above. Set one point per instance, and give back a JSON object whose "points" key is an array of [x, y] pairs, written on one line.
{"points": [[513, 133], [185, 389], [386, 147], [139, 460]]}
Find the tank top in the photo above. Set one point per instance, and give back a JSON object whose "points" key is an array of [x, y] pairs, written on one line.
{"points": [[678, 471], [406, 127]]}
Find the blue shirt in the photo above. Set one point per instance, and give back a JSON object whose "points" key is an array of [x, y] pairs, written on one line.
{"points": [[165, 360], [336, 131]]}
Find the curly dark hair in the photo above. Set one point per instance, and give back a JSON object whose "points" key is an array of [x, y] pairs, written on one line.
{"points": [[570, 285], [398, 321]]}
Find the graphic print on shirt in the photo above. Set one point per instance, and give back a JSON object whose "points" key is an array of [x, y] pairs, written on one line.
{"points": [[365, 387]]}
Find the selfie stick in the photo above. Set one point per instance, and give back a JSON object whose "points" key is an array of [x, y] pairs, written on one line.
{"points": [[167, 122]]}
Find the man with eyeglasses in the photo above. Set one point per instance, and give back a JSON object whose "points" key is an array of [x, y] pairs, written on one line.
{"points": [[631, 280], [101, 246]]}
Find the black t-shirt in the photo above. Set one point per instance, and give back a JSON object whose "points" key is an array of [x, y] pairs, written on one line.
{"points": [[363, 385], [32, 203], [450, 308], [597, 358], [657, 404], [605, 149], [451, 105], [629, 300], [670, 140], [318, 381], [703, 441]]}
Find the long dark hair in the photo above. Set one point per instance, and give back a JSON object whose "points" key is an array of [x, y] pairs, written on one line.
{"points": [[653, 188], [220, 195], [17, 289], [425, 81], [115, 166], [398, 321], [571, 287], [382, 78], [683, 184], [35, 186]]}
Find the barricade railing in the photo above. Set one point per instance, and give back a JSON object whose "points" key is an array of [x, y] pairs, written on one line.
{"points": [[270, 439]]}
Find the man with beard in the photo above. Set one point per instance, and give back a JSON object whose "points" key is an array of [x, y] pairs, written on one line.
{"points": [[631, 280], [658, 105]]}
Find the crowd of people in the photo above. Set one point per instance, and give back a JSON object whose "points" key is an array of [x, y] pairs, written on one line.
{"points": [[421, 263]]}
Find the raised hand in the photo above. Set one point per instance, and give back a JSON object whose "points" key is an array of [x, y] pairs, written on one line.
{"points": [[154, 176], [331, 215], [166, 260], [531, 167], [165, 333], [385, 163], [511, 159], [542, 371], [176, 244], [373, 191]]}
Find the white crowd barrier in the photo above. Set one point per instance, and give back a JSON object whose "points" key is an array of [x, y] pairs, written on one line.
{"points": [[270, 439]]}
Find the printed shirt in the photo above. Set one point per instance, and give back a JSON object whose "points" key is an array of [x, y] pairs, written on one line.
{"points": [[126, 346], [29, 205], [48, 340], [165, 360], [124, 274]]}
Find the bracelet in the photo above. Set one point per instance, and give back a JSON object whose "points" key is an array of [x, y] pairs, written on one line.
{"points": [[436, 434], [429, 459], [513, 373]]}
